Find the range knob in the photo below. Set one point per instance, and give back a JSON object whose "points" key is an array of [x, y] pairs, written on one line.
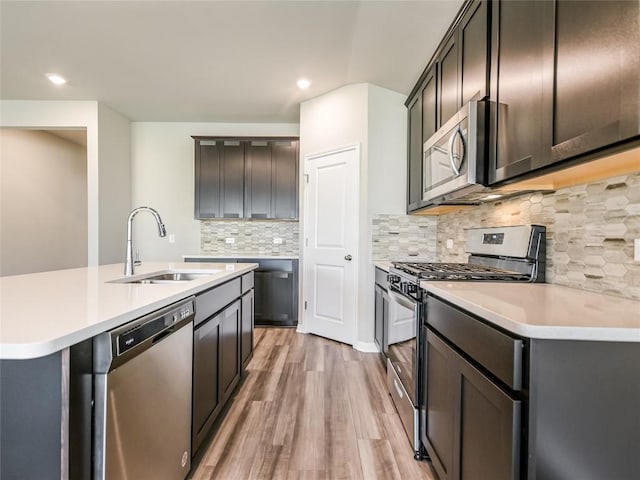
{"points": [[412, 288], [393, 279]]}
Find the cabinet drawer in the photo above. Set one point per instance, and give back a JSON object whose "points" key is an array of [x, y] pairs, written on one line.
{"points": [[247, 282], [499, 353], [402, 402], [381, 278], [216, 299], [272, 265]]}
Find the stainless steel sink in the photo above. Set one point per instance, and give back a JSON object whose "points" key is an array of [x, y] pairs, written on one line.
{"points": [[168, 277]]}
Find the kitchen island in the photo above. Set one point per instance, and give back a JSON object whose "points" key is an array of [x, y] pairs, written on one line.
{"points": [[546, 375], [47, 325]]}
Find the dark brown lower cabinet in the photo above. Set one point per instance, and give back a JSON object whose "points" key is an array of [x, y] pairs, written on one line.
{"points": [[276, 289], [473, 428], [217, 367], [206, 398], [229, 349], [247, 327]]}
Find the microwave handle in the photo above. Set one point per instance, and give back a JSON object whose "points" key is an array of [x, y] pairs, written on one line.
{"points": [[452, 138]]}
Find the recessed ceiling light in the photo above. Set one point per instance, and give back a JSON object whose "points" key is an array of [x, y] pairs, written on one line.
{"points": [[56, 79], [303, 83]]}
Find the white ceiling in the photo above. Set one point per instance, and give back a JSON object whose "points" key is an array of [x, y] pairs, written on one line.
{"points": [[213, 61]]}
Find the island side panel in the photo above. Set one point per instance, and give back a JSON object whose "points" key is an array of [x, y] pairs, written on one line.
{"points": [[584, 417], [30, 414]]}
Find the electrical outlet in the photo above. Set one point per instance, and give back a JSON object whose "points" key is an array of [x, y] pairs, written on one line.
{"points": [[636, 249], [449, 243], [230, 240], [278, 241], [172, 238]]}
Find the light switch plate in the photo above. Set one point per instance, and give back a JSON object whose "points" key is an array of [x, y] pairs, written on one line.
{"points": [[636, 249], [172, 238], [230, 240], [449, 243]]}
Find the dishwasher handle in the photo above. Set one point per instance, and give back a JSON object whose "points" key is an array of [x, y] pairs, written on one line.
{"points": [[163, 334]]}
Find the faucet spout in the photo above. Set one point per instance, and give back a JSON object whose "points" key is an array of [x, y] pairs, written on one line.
{"points": [[162, 231]]}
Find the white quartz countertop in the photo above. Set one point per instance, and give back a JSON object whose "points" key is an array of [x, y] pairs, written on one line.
{"points": [[382, 264], [43, 313], [240, 257], [545, 311]]}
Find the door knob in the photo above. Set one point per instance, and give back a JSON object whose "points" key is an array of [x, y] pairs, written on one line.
{"points": [[348, 258]]}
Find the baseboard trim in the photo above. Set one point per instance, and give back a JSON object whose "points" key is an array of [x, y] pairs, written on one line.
{"points": [[367, 347]]}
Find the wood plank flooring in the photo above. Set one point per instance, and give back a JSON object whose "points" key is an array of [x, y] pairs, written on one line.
{"points": [[310, 408]]}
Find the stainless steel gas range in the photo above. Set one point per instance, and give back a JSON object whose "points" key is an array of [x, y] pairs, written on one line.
{"points": [[498, 254]]}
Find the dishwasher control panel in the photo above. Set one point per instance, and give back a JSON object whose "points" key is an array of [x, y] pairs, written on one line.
{"points": [[153, 325]]}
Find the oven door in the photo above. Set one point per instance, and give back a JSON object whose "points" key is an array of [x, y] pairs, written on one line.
{"points": [[402, 340]]}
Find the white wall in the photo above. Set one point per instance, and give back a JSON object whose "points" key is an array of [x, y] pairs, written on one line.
{"points": [[374, 118], [43, 202], [114, 180], [387, 163], [163, 159], [102, 196], [384, 187]]}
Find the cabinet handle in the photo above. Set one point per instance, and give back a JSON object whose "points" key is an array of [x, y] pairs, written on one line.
{"points": [[348, 258], [456, 166], [398, 388]]}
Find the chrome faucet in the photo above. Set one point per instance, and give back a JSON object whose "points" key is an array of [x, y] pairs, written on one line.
{"points": [[128, 262]]}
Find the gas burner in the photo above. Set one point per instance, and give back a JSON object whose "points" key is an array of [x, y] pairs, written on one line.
{"points": [[458, 271], [499, 254]]}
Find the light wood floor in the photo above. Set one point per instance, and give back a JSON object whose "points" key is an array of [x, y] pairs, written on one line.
{"points": [[311, 408]]}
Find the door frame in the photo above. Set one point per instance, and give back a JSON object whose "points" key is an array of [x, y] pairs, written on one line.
{"points": [[302, 319]]}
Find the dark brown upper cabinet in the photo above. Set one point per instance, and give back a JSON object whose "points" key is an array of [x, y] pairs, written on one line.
{"points": [[596, 102], [246, 178], [567, 83], [463, 62], [271, 179], [562, 78], [448, 100], [522, 39], [219, 174], [414, 152], [457, 73], [232, 174]]}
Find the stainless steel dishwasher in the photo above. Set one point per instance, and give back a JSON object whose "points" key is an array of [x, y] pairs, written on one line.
{"points": [[143, 377]]}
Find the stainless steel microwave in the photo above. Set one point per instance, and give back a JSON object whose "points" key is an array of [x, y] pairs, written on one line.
{"points": [[454, 158]]}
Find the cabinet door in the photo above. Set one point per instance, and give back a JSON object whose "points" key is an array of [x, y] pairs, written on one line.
{"points": [[448, 91], [232, 184], [206, 401], [429, 110], [597, 76], [487, 427], [439, 434], [207, 179], [258, 179], [229, 349], [523, 33], [247, 326], [386, 302], [414, 155], [284, 196], [378, 318], [474, 53], [274, 298]]}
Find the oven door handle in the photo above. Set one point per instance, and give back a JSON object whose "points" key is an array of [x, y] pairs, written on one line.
{"points": [[404, 301]]}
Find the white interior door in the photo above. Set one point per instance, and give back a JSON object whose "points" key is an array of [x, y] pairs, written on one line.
{"points": [[331, 239]]}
